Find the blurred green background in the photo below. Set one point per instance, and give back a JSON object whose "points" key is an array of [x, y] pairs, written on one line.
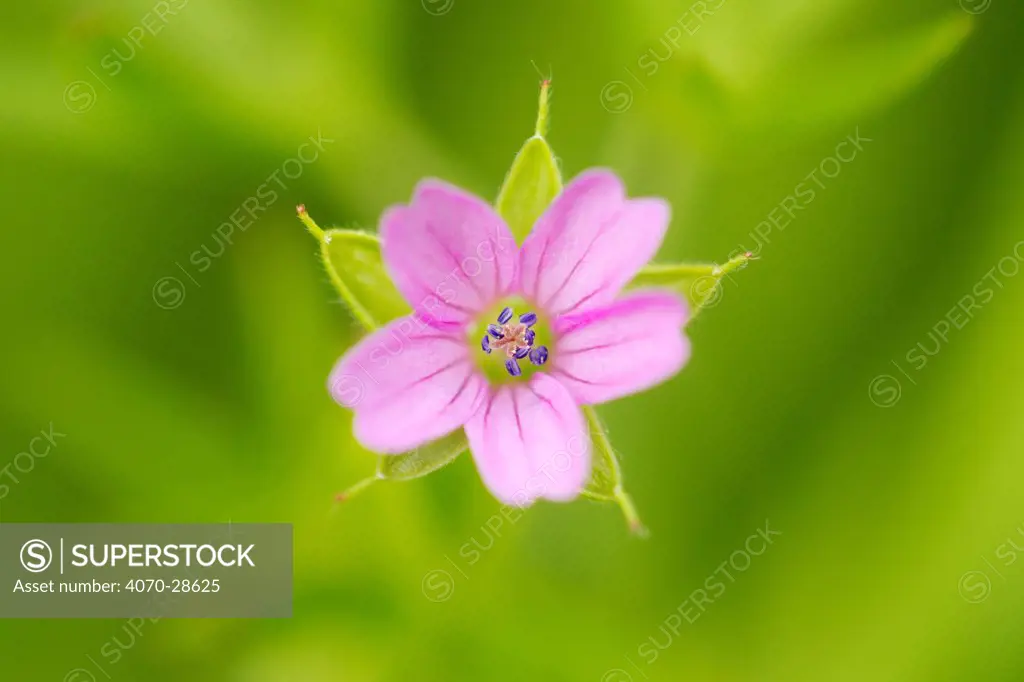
{"points": [[131, 130]]}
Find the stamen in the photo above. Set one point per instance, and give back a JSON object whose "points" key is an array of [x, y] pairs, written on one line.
{"points": [[515, 340]]}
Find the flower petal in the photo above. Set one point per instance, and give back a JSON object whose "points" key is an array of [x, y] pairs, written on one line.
{"points": [[623, 348], [529, 441], [589, 244], [408, 384], [448, 252]]}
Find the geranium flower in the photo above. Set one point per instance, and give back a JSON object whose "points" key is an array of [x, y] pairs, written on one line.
{"points": [[508, 342]]}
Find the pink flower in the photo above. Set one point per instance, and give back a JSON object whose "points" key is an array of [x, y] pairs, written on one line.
{"points": [[515, 382]]}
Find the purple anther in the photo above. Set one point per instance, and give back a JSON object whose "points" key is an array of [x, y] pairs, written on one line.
{"points": [[513, 367], [495, 331], [505, 316], [486, 344], [529, 319], [539, 355], [521, 352], [530, 335]]}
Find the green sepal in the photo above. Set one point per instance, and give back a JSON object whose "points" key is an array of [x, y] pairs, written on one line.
{"points": [[700, 283], [353, 259], [534, 179], [406, 466], [424, 460], [354, 263], [605, 482]]}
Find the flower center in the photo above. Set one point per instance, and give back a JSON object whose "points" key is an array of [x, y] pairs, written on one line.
{"points": [[512, 339]]}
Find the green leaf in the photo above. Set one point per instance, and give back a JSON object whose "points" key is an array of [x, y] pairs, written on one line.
{"points": [[534, 179], [701, 283], [423, 460], [605, 482]]}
